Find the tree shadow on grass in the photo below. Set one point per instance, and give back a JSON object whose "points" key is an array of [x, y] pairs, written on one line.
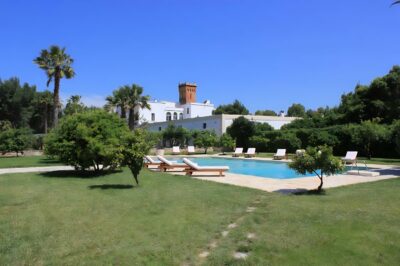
{"points": [[111, 186], [78, 174], [302, 192]]}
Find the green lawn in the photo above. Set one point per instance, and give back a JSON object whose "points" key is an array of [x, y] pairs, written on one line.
{"points": [[65, 219], [26, 161]]}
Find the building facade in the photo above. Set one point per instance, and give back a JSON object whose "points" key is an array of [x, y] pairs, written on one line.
{"points": [[186, 108], [219, 123]]}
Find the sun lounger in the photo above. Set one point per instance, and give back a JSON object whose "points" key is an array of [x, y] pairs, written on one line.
{"points": [[150, 162], [280, 154], [251, 152], [238, 152], [176, 150], [190, 149], [194, 168], [167, 164], [351, 157]]}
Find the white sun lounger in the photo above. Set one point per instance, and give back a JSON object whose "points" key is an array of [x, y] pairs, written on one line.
{"points": [[149, 161], [238, 152], [351, 157], [251, 152], [280, 154], [194, 167], [190, 149], [176, 150], [167, 164]]}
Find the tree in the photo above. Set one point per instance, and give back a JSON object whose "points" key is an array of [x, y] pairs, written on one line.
{"points": [[396, 135], [287, 140], [206, 139], [16, 102], [15, 140], [57, 64], [395, 2], [266, 112], [236, 108], [368, 134], [43, 102], [129, 97], [296, 109], [74, 105], [241, 131], [88, 139], [135, 147], [318, 161], [226, 142], [176, 136]]}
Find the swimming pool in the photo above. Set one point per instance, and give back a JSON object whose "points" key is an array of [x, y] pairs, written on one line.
{"points": [[277, 170]]}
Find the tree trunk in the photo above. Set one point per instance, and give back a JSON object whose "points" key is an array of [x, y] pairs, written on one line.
{"points": [[321, 184], [45, 119], [131, 119], [205, 150], [56, 97], [123, 112]]}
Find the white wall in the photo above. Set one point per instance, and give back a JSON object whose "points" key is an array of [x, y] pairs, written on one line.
{"points": [[213, 123], [197, 110]]}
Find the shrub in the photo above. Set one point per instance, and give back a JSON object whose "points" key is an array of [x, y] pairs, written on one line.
{"points": [[369, 134], [176, 136], [318, 161], [288, 141], [260, 143], [206, 139], [15, 140], [226, 142], [89, 139]]}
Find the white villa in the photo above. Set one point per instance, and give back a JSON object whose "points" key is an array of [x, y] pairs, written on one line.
{"points": [[162, 111], [192, 115]]}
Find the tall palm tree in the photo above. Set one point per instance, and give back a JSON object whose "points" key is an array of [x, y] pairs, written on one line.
{"points": [[57, 64], [129, 98]]}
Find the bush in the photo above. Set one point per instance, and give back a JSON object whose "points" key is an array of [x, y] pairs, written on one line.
{"points": [[15, 140], [226, 142], [288, 141], [206, 139], [260, 143], [89, 139], [176, 136], [241, 131]]}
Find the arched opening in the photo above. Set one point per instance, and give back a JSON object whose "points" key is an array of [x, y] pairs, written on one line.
{"points": [[175, 116], [168, 116]]}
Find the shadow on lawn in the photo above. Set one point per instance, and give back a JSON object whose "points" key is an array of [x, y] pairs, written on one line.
{"points": [[77, 174], [111, 186], [302, 192]]}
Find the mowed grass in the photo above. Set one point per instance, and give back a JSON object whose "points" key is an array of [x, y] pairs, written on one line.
{"points": [[60, 218], [26, 161]]}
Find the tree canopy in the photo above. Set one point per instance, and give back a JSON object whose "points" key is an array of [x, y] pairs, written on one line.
{"points": [[266, 112], [235, 108]]}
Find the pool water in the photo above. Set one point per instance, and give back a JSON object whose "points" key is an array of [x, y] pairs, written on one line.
{"points": [[277, 170]]}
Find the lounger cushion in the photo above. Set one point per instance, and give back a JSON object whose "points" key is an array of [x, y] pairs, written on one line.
{"points": [[197, 167]]}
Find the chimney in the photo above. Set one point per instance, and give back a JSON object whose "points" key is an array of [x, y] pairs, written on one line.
{"points": [[187, 93]]}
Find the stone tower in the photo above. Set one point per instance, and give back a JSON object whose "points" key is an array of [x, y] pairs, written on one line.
{"points": [[187, 93]]}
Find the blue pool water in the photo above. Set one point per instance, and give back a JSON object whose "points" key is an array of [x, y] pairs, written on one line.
{"points": [[278, 170], [270, 169]]}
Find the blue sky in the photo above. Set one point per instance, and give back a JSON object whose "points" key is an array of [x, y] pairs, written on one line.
{"points": [[268, 54]]}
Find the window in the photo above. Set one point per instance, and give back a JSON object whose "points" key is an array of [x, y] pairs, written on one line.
{"points": [[175, 116], [180, 116], [159, 129], [187, 110], [153, 117], [168, 116], [204, 125]]}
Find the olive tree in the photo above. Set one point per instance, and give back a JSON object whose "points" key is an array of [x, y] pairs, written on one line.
{"points": [[319, 161], [226, 142], [206, 139], [136, 145]]}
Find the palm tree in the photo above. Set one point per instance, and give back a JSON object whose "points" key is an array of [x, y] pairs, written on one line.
{"points": [[129, 97], [396, 2], [57, 64], [118, 99], [136, 101], [44, 101]]}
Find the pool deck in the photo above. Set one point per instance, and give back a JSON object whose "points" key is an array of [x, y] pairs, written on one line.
{"points": [[294, 184]]}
